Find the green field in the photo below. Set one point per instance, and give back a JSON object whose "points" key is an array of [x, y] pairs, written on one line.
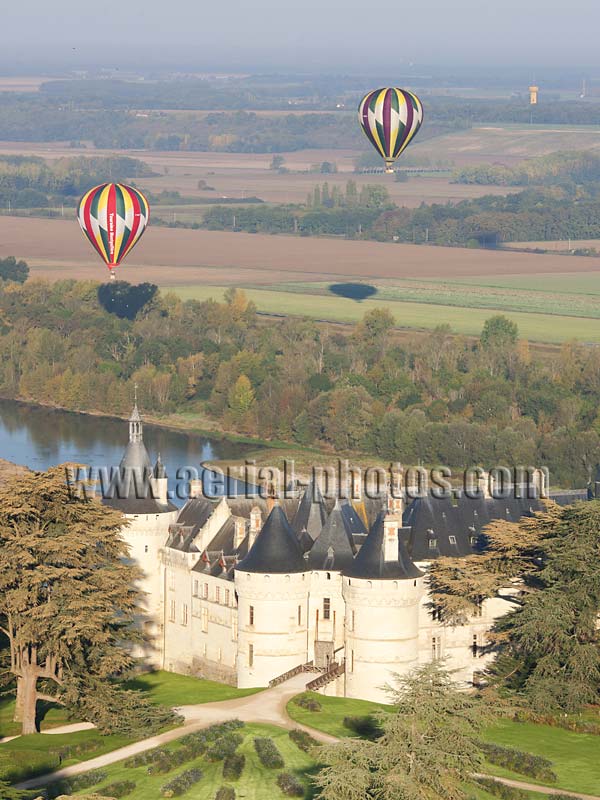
{"points": [[538, 327]]}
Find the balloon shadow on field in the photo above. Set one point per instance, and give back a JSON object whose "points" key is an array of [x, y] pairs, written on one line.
{"points": [[353, 291]]}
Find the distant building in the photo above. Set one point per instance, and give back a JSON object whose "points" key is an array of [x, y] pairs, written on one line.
{"points": [[533, 95], [246, 590]]}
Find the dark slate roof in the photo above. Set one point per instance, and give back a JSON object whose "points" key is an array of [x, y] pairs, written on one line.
{"points": [[276, 549], [437, 529], [371, 564], [334, 547], [159, 469], [311, 514], [352, 518]]}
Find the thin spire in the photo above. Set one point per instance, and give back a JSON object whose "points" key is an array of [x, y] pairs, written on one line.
{"points": [[135, 420]]}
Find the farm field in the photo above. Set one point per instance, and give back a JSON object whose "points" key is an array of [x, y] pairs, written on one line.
{"points": [[536, 327], [560, 245], [57, 249]]}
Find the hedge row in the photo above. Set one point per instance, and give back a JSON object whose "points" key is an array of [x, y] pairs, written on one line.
{"points": [[233, 766], [76, 783], [501, 789], [308, 702], [290, 785], [302, 739], [519, 761], [118, 789], [225, 793], [181, 783], [225, 746], [268, 753]]}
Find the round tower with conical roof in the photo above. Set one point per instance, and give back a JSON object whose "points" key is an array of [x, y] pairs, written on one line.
{"points": [[272, 586], [382, 589], [139, 491]]}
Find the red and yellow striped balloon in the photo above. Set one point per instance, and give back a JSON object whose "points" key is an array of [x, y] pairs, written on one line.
{"points": [[113, 217], [391, 119]]}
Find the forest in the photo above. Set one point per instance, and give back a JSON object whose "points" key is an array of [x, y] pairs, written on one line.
{"points": [[435, 398]]}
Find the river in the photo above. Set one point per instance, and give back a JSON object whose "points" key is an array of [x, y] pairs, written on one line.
{"points": [[39, 437]]}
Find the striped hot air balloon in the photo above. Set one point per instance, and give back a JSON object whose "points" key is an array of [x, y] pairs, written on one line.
{"points": [[390, 118], [113, 217]]}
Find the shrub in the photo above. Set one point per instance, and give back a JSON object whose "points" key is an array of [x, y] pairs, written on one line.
{"points": [[501, 789], [268, 753], [302, 739], [290, 785], [76, 783], [181, 783], [225, 793], [308, 702], [118, 789], [366, 727], [225, 746], [233, 766], [519, 761]]}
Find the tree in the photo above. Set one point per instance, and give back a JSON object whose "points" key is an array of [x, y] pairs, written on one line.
{"points": [[428, 748], [67, 597], [499, 331], [13, 270], [241, 398], [548, 646], [277, 162]]}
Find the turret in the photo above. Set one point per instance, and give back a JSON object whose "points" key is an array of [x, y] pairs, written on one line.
{"points": [[272, 590], [382, 589]]}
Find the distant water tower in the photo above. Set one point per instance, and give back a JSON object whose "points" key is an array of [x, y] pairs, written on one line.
{"points": [[533, 95]]}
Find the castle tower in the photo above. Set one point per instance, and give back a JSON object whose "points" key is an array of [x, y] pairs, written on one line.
{"points": [[272, 585], [139, 491], [382, 589]]}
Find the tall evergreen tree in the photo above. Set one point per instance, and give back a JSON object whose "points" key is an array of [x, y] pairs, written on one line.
{"points": [[428, 748], [67, 596]]}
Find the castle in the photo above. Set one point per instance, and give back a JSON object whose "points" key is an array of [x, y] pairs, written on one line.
{"points": [[249, 591]]}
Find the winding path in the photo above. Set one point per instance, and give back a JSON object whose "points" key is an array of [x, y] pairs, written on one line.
{"points": [[266, 707]]}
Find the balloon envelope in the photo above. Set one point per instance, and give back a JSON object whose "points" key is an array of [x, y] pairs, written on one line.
{"points": [[113, 217], [390, 118]]}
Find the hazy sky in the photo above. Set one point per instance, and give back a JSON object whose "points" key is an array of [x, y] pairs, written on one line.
{"points": [[333, 34]]}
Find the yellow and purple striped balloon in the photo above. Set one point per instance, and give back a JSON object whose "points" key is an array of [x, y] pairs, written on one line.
{"points": [[113, 217], [391, 119]]}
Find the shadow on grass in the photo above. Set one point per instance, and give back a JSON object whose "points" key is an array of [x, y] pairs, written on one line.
{"points": [[353, 291]]}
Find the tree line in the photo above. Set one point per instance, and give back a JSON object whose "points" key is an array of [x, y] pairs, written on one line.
{"points": [[436, 398]]}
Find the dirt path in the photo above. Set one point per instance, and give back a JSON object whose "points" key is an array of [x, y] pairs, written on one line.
{"points": [[265, 707]]}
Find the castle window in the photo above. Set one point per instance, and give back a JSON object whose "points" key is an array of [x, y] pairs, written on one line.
{"points": [[145, 548], [250, 655], [299, 615], [475, 646], [251, 615], [352, 661], [226, 597], [172, 611], [195, 589], [436, 614], [205, 591], [217, 594], [205, 621], [452, 539], [435, 647], [326, 608], [478, 611], [353, 619], [184, 614], [171, 580], [329, 576]]}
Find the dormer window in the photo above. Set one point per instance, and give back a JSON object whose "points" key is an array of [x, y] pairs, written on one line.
{"points": [[452, 539], [432, 544]]}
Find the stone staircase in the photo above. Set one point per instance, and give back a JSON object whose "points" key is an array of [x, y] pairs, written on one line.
{"points": [[291, 673], [334, 671]]}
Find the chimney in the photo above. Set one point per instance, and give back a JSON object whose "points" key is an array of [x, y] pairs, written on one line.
{"points": [[356, 478], [395, 498], [484, 483], [390, 537], [195, 488], [239, 531], [255, 525]]}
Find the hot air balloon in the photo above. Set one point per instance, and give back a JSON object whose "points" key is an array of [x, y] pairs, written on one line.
{"points": [[390, 118], [113, 217]]}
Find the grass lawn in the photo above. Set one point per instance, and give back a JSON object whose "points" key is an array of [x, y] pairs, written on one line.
{"points": [[421, 316], [331, 718], [256, 782], [34, 755], [169, 689], [53, 717], [575, 756]]}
